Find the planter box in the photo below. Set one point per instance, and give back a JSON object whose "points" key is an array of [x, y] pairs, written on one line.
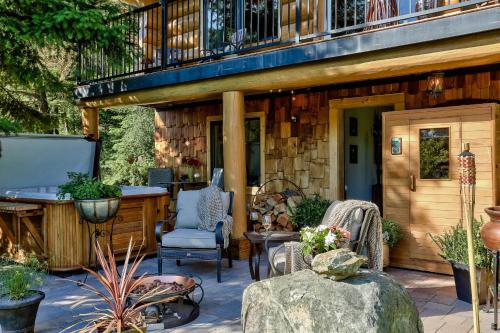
{"points": [[462, 283]]}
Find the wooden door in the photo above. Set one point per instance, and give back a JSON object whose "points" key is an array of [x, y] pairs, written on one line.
{"points": [[420, 175], [433, 182]]}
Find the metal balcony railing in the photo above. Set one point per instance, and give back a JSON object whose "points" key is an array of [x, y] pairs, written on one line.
{"points": [[177, 33]]}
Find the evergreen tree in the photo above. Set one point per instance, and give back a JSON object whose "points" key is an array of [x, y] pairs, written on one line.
{"points": [[128, 145], [38, 46]]}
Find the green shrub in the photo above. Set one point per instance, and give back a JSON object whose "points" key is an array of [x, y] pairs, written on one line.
{"points": [[391, 232], [453, 246], [310, 211], [81, 187], [19, 279]]}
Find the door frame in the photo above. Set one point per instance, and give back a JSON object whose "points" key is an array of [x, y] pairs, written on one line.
{"points": [[336, 132]]}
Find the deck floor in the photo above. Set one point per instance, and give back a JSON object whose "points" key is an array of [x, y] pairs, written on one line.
{"points": [[220, 311]]}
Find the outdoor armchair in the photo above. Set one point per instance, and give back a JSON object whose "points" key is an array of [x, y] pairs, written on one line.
{"points": [[179, 237]]}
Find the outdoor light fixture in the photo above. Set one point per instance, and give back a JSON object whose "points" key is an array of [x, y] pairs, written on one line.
{"points": [[435, 84]]}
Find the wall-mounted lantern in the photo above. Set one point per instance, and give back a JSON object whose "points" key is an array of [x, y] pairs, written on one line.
{"points": [[435, 84]]}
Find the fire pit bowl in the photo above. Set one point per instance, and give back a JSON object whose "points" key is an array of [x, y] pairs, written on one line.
{"points": [[180, 287], [175, 305]]}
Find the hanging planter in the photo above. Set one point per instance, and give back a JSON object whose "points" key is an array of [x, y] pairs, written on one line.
{"points": [[95, 201], [97, 210]]}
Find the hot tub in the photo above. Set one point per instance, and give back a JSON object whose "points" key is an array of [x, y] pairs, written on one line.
{"points": [[31, 167]]}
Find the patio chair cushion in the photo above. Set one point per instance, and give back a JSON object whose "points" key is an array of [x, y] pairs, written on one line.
{"points": [[189, 238], [226, 200], [278, 254], [358, 222], [357, 216], [187, 211]]}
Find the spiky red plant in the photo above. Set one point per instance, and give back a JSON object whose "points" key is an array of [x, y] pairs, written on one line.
{"points": [[118, 315]]}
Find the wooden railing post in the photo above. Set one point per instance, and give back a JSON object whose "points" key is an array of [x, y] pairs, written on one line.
{"points": [[298, 21], [164, 33]]}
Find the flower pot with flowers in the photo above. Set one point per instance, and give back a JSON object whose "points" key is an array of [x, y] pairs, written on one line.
{"points": [[189, 167], [322, 239]]}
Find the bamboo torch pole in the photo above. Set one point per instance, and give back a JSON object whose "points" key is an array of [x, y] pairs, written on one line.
{"points": [[467, 173]]}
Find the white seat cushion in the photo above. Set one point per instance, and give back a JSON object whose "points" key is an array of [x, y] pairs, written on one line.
{"points": [[189, 238], [187, 210]]}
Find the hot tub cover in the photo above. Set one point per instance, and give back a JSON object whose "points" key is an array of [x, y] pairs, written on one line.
{"points": [[43, 160]]}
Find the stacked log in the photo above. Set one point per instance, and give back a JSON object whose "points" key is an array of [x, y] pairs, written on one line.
{"points": [[279, 206]]}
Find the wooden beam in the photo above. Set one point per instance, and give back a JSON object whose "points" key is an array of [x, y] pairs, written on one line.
{"points": [[439, 56], [6, 230], [233, 125], [90, 122], [34, 232]]}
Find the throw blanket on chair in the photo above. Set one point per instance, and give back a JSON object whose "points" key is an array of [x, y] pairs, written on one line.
{"points": [[341, 215], [211, 211]]}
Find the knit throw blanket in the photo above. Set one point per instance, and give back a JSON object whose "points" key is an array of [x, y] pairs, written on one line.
{"points": [[341, 214], [211, 211]]}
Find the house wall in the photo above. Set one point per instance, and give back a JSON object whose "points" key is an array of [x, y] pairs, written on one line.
{"points": [[298, 150]]}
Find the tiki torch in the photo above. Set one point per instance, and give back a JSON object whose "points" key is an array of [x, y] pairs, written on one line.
{"points": [[467, 171]]}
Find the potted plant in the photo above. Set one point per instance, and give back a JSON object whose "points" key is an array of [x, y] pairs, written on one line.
{"points": [[391, 234], [95, 201], [121, 313], [453, 246], [310, 211], [19, 297]]}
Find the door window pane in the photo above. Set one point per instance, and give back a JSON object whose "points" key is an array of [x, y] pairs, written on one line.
{"points": [[434, 153], [252, 136]]}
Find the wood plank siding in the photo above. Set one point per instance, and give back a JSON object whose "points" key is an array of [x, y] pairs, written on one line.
{"points": [[297, 144]]}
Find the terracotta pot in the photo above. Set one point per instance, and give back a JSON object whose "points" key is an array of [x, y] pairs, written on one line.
{"points": [[490, 233], [386, 252]]}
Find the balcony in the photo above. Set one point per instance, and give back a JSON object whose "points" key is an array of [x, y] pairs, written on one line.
{"points": [[178, 34]]}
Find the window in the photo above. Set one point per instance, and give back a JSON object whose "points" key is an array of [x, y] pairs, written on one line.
{"points": [[253, 145], [434, 153], [229, 24]]}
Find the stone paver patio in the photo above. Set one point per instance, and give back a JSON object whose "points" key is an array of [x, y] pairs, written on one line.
{"points": [[220, 310]]}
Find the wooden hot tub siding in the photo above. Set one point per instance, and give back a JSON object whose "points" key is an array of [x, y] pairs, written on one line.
{"points": [[67, 238]]}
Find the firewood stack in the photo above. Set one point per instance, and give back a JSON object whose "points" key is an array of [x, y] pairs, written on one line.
{"points": [[280, 206]]}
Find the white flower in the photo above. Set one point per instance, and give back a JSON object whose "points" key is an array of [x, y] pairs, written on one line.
{"points": [[321, 227], [308, 235], [330, 239]]}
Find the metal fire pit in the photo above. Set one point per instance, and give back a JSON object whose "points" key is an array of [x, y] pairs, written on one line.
{"points": [[178, 307]]}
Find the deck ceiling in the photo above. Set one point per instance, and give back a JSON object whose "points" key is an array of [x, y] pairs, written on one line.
{"points": [[458, 41]]}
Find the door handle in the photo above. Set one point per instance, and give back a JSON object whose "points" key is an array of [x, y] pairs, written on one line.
{"points": [[412, 183]]}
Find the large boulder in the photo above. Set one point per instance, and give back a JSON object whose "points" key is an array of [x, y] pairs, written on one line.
{"points": [[305, 301]]}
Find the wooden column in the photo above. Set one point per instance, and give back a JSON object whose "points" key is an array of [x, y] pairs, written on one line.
{"points": [[233, 124], [90, 122]]}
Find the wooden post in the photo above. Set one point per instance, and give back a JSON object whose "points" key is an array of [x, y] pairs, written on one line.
{"points": [[90, 122], [233, 124]]}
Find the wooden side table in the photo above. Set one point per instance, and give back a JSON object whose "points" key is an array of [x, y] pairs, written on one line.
{"points": [[21, 216], [257, 241]]}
